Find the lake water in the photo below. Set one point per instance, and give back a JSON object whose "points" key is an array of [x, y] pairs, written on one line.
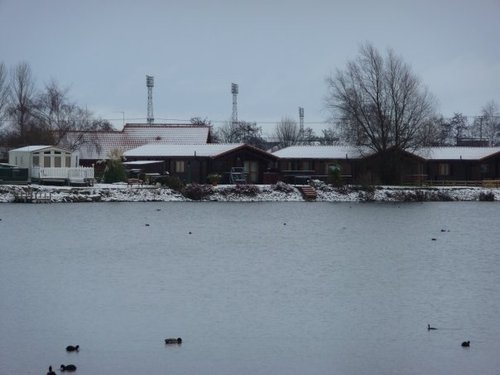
{"points": [[256, 288]]}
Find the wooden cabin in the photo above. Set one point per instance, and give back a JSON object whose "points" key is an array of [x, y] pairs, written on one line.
{"points": [[461, 163], [298, 164], [194, 163]]}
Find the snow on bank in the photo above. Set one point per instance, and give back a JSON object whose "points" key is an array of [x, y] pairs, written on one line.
{"points": [[259, 193]]}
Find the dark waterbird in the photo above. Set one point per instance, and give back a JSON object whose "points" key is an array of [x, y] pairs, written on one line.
{"points": [[68, 368], [50, 371], [466, 344], [429, 328], [71, 348], [177, 340]]}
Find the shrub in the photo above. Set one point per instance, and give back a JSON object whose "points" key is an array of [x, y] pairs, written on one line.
{"points": [[172, 182], [486, 196], [197, 192], [114, 172], [283, 187], [248, 190], [214, 178]]}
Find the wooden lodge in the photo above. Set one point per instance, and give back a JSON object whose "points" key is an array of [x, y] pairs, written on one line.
{"points": [[193, 163]]}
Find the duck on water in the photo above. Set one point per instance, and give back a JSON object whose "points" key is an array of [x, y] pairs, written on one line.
{"points": [[177, 340], [68, 368]]}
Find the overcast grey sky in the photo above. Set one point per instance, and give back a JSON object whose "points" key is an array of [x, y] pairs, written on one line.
{"points": [[278, 51]]}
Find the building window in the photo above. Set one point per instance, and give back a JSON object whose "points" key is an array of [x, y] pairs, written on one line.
{"points": [[68, 161], [46, 162], [443, 169], [306, 165], [179, 166], [57, 162], [36, 160]]}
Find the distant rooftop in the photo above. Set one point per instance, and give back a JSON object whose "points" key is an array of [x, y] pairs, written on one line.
{"points": [[99, 144], [187, 150]]}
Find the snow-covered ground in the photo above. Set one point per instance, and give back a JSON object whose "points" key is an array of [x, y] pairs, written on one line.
{"points": [[259, 193]]}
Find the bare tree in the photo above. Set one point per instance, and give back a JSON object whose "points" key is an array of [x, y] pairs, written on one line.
{"points": [[241, 131], [487, 126], [382, 104], [329, 137], [4, 91], [22, 99], [287, 132]]}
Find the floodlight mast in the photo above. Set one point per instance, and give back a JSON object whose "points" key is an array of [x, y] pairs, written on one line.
{"points": [[150, 84], [301, 122], [301, 117], [234, 91]]}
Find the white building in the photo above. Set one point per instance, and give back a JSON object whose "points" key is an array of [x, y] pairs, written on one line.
{"points": [[51, 164]]}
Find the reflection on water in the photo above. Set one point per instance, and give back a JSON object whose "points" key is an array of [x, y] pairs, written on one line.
{"points": [[252, 288]]}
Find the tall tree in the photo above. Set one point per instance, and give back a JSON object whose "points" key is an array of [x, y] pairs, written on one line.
{"points": [[329, 137], [458, 128], [22, 100], [4, 91], [487, 126], [383, 105], [287, 132], [241, 132]]}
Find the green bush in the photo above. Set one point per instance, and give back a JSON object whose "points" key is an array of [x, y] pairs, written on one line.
{"points": [[114, 172]]}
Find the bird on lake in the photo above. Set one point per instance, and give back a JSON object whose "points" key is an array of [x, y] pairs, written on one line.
{"points": [[466, 344], [50, 371], [68, 368], [429, 328], [71, 348], [177, 340]]}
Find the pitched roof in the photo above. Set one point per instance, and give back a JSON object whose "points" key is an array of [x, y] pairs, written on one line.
{"points": [[456, 153], [349, 152], [205, 150], [99, 144], [318, 152], [30, 148]]}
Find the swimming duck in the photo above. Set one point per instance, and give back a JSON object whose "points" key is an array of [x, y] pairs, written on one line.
{"points": [[68, 368], [71, 348], [50, 371], [177, 340], [429, 328], [466, 344]]}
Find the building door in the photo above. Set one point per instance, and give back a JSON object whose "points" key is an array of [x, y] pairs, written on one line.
{"points": [[252, 171]]}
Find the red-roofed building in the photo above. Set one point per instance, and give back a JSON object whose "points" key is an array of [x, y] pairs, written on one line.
{"points": [[93, 146]]}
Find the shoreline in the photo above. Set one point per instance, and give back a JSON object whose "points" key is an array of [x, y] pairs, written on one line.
{"points": [[280, 192]]}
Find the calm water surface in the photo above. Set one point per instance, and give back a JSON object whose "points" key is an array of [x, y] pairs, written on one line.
{"points": [[256, 288]]}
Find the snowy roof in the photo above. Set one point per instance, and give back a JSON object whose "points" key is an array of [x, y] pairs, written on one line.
{"points": [[98, 145], [318, 152], [456, 153], [30, 148], [206, 150], [142, 162], [179, 134]]}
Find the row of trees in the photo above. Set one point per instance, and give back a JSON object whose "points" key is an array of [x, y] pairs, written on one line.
{"points": [[29, 115]]}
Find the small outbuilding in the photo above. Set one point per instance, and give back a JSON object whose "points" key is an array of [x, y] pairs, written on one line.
{"points": [[50, 164]]}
